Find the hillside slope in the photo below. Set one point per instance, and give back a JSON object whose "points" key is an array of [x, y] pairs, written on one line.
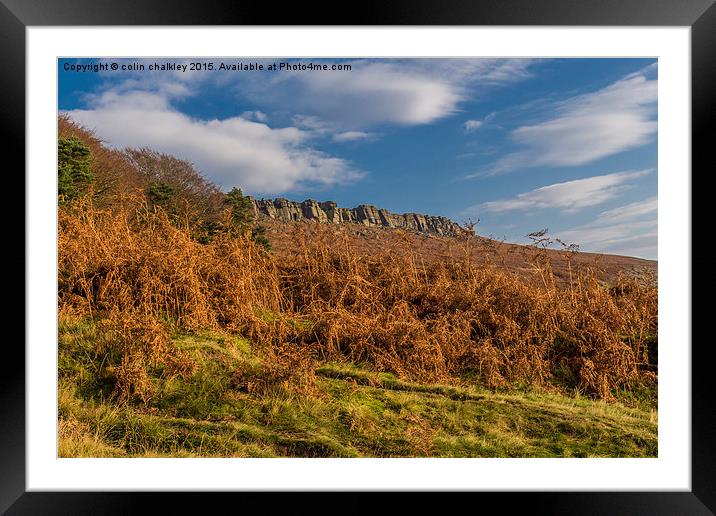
{"points": [[370, 240]]}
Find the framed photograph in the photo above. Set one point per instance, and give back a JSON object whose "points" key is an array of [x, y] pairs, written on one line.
{"points": [[427, 249]]}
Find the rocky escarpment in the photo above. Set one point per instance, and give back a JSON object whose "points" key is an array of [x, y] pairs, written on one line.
{"points": [[328, 212]]}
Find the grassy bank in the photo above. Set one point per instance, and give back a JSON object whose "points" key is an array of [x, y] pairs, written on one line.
{"points": [[235, 403]]}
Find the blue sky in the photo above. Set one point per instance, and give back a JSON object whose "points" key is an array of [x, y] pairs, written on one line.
{"points": [[520, 144]]}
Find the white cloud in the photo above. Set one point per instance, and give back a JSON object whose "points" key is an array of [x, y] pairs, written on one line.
{"points": [[353, 136], [319, 128], [232, 151], [388, 91], [630, 239], [375, 94], [312, 123], [472, 125], [587, 127], [630, 230], [569, 196], [630, 211], [174, 84]]}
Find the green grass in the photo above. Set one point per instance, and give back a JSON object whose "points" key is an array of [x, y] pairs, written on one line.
{"points": [[352, 412]]}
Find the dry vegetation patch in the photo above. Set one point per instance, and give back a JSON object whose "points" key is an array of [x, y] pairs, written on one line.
{"points": [[443, 322]]}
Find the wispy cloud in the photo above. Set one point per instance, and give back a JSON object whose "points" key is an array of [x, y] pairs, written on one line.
{"points": [[631, 229], [389, 91], [232, 151], [353, 136], [631, 211], [570, 196], [587, 127], [472, 125], [312, 124]]}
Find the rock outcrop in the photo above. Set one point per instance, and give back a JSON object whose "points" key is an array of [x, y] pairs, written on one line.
{"points": [[328, 212]]}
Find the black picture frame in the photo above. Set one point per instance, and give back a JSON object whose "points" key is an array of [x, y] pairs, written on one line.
{"points": [[700, 15]]}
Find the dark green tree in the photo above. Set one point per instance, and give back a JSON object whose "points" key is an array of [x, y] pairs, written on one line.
{"points": [[242, 215], [258, 233], [241, 212], [161, 194], [73, 168]]}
